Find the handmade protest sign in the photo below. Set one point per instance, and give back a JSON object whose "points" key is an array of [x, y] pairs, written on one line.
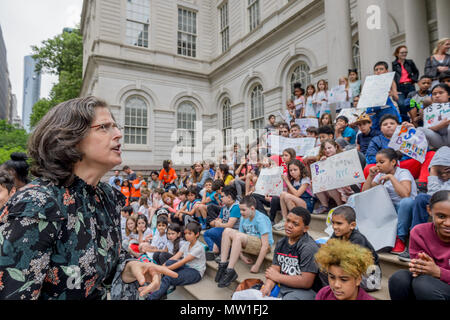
{"points": [[351, 114], [306, 123], [410, 141], [300, 145], [270, 182], [337, 94], [341, 170], [434, 114], [312, 153], [375, 91]]}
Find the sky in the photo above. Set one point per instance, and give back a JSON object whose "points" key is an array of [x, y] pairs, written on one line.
{"points": [[29, 22]]}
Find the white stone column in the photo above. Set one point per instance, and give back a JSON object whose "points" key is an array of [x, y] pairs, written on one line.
{"points": [[416, 31], [374, 39], [339, 39], [443, 19]]}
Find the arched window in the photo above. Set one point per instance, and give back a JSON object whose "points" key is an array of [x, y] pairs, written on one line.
{"points": [[226, 122], [186, 117], [300, 74], [257, 107], [356, 58], [136, 121]]}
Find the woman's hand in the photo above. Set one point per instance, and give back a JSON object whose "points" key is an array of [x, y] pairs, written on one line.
{"points": [[424, 265], [145, 273]]}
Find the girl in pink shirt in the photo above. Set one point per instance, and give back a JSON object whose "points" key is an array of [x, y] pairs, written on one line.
{"points": [[428, 277]]}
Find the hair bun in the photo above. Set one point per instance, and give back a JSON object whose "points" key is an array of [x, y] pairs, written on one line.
{"points": [[19, 156]]}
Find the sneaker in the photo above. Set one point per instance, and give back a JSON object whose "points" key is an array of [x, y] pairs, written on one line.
{"points": [[321, 210], [210, 255], [229, 276], [280, 225], [404, 256], [399, 246], [217, 259], [220, 273]]}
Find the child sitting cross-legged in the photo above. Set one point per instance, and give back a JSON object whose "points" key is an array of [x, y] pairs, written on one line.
{"points": [[343, 220], [159, 241], [189, 262], [293, 266], [345, 263], [254, 237], [175, 237]]}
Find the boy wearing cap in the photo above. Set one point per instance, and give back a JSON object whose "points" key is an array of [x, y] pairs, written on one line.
{"points": [[366, 134]]}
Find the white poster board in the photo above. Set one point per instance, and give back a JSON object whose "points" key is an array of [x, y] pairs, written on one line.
{"points": [[337, 94], [300, 145], [410, 142], [306, 123], [313, 152], [352, 114], [341, 170], [270, 182], [375, 91], [434, 114]]}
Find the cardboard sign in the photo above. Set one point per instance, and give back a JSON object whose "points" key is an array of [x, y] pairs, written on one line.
{"points": [[410, 142], [341, 170], [376, 217], [337, 94], [434, 114], [351, 114], [270, 182], [375, 91], [306, 123], [300, 145]]}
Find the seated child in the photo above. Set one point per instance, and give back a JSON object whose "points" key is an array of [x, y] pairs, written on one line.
{"points": [[189, 262], [295, 131], [254, 237], [428, 277], [312, 132], [177, 216], [208, 198], [144, 235], [343, 131], [189, 211], [345, 263], [213, 209], [229, 217], [416, 99], [167, 176], [224, 174], [159, 241], [401, 188], [143, 206], [175, 237], [7, 188], [157, 203], [131, 235], [293, 266], [367, 133], [343, 221], [125, 213], [154, 181]]}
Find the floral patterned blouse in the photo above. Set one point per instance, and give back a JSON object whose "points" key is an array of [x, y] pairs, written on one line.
{"points": [[63, 243]]}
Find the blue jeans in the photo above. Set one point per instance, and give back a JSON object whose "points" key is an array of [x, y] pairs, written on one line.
{"points": [[404, 212], [213, 236], [186, 276], [420, 213]]}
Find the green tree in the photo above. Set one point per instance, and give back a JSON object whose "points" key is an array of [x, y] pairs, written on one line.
{"points": [[12, 139], [61, 56]]}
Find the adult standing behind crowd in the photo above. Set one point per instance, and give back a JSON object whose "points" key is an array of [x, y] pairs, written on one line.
{"points": [[112, 180], [439, 62], [131, 175], [406, 75], [61, 233]]}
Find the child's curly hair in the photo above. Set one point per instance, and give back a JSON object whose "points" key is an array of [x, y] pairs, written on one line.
{"points": [[353, 258]]}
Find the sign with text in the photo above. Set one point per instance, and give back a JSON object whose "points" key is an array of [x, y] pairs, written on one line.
{"points": [[410, 142], [341, 170], [306, 123], [300, 145], [375, 91], [434, 114], [337, 94], [270, 182]]}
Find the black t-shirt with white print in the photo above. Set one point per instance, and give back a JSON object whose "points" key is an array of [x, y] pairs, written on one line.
{"points": [[297, 258]]}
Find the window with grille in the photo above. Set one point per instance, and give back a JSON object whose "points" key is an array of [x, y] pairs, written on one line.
{"points": [[226, 124], [257, 108], [302, 75], [138, 20], [187, 33], [224, 27], [253, 13], [186, 117], [356, 58], [136, 120]]}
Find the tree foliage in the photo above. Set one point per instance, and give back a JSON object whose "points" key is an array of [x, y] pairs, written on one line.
{"points": [[61, 56], [12, 139]]}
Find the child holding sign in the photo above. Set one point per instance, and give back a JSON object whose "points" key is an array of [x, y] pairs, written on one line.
{"points": [[401, 187]]}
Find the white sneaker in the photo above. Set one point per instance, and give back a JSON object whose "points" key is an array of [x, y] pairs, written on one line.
{"points": [[280, 225]]}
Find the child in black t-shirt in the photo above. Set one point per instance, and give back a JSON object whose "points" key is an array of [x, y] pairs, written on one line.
{"points": [[293, 267], [343, 221]]}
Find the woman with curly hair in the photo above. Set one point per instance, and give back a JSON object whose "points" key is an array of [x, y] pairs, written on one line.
{"points": [[345, 263]]}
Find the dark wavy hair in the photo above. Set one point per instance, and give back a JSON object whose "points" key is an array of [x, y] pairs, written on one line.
{"points": [[53, 144]]}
